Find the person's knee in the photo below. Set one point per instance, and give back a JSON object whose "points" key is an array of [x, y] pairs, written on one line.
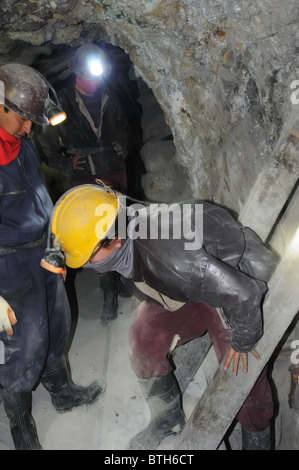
{"points": [[147, 353]]}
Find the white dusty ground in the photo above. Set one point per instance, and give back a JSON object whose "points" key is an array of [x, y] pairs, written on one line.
{"points": [[101, 351]]}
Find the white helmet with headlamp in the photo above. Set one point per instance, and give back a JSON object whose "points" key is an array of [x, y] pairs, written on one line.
{"points": [[26, 92], [89, 61]]}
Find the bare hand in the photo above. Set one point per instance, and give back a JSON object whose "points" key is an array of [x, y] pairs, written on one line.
{"points": [[7, 317], [234, 356], [78, 160]]}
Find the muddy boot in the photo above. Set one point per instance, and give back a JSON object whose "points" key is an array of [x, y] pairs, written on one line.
{"points": [[163, 397], [107, 284], [256, 440], [22, 426], [64, 393]]}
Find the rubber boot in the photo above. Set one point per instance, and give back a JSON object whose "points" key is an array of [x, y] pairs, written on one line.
{"points": [[107, 284], [64, 393], [124, 286], [256, 440], [22, 426], [163, 397]]}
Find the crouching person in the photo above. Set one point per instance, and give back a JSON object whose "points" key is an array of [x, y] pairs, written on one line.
{"points": [[226, 271]]}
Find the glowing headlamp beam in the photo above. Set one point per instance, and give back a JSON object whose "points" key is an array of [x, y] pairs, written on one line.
{"points": [[95, 67]]}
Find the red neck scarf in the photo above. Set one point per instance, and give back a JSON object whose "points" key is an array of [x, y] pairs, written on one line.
{"points": [[9, 147], [87, 85]]}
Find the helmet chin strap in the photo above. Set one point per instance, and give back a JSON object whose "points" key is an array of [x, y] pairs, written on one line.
{"points": [[54, 259]]}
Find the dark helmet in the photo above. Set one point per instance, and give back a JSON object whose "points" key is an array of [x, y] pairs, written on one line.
{"points": [[25, 91], [85, 55]]}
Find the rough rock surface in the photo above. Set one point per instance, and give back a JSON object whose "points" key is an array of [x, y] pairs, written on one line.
{"points": [[220, 70]]}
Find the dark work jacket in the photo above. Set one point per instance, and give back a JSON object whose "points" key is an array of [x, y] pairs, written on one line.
{"points": [[36, 295], [78, 135], [229, 271], [25, 205]]}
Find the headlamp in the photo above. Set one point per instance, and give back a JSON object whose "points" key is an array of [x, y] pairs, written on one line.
{"points": [[95, 67], [54, 111], [54, 259], [55, 115]]}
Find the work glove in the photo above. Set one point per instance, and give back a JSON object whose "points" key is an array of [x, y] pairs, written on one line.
{"points": [[7, 317]]}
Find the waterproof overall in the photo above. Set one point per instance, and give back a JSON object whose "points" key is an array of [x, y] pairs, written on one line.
{"points": [[36, 295]]}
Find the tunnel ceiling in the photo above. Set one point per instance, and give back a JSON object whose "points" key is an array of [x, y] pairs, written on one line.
{"points": [[220, 70]]}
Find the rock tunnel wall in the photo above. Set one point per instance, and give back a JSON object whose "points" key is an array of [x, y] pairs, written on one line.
{"points": [[221, 72]]}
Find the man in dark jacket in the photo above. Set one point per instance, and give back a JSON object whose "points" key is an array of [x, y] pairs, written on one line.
{"points": [[34, 310], [90, 145], [200, 270]]}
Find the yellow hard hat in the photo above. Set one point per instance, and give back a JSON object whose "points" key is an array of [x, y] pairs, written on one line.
{"points": [[81, 218]]}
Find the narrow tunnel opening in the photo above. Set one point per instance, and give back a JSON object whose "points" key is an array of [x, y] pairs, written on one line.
{"points": [[55, 67], [150, 146]]}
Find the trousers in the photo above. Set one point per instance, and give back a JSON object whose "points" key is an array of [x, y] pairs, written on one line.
{"points": [[151, 334], [40, 303]]}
